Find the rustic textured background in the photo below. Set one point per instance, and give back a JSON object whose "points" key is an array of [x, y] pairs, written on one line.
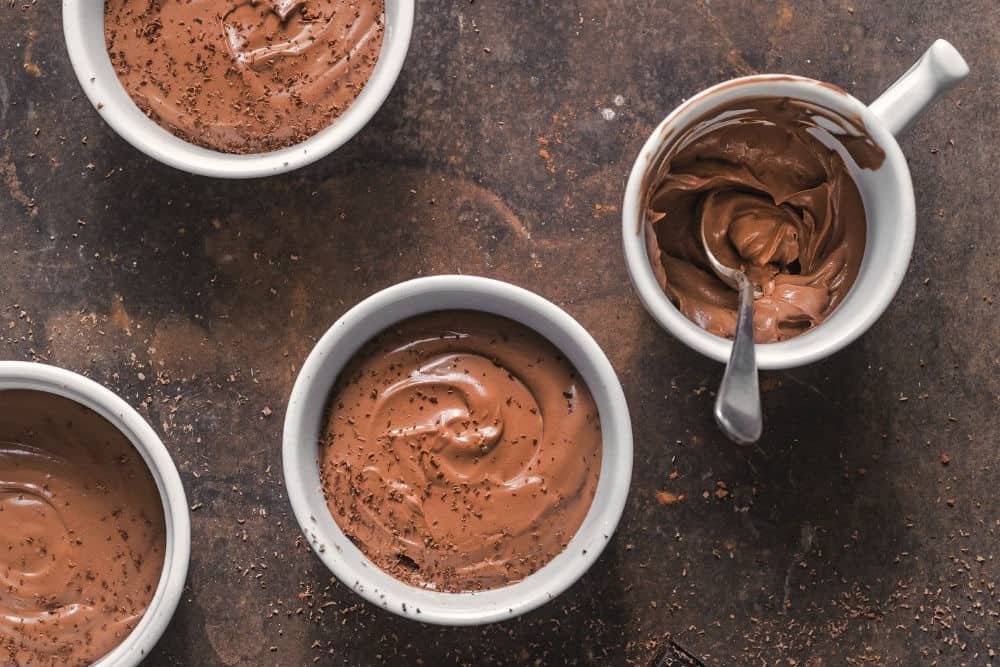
{"points": [[844, 538]]}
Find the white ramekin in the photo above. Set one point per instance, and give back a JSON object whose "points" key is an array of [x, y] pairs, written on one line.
{"points": [[887, 193], [303, 423], [39, 377], [83, 25]]}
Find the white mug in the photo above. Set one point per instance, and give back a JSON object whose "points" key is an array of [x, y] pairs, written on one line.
{"points": [[887, 193]]}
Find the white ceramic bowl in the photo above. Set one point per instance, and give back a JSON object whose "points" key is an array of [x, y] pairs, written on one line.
{"points": [[39, 377], [887, 193], [83, 25], [302, 433]]}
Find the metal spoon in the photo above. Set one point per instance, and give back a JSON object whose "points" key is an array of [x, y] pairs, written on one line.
{"points": [[737, 404]]}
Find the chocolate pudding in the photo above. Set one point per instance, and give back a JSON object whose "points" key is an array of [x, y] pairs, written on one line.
{"points": [[82, 533], [461, 451], [776, 203], [244, 76]]}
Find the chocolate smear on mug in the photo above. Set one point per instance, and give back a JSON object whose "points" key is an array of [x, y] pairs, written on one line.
{"points": [[776, 203]]}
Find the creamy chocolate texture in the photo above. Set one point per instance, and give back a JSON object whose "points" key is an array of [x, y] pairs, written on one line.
{"points": [[461, 451], [776, 203], [244, 76], [82, 533]]}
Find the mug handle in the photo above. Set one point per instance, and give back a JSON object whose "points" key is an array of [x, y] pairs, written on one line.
{"points": [[940, 68]]}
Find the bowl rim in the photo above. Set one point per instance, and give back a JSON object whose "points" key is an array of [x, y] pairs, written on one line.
{"points": [[61, 382], [818, 343], [93, 69], [301, 470]]}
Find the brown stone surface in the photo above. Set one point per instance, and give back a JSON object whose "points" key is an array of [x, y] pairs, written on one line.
{"points": [[840, 539]]}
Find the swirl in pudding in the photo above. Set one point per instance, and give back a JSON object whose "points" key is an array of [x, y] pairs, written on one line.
{"points": [[244, 76], [461, 452], [776, 203], [82, 533]]}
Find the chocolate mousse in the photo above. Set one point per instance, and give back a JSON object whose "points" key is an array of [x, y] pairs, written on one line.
{"points": [[244, 76], [776, 203], [461, 451], [82, 533]]}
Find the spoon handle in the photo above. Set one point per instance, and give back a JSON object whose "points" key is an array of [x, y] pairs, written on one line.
{"points": [[737, 405]]}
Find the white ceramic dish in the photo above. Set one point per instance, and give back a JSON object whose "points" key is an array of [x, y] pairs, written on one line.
{"points": [[39, 377], [83, 25], [304, 420], [887, 194]]}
